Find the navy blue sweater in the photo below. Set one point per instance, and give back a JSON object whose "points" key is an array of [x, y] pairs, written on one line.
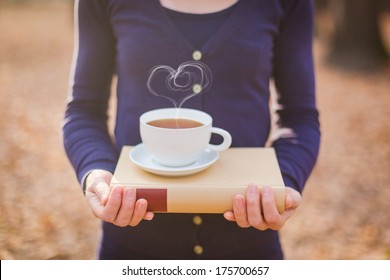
{"points": [[260, 41]]}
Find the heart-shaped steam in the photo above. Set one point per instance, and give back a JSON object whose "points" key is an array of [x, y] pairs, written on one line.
{"points": [[188, 80]]}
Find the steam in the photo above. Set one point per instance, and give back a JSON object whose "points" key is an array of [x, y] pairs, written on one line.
{"points": [[189, 79]]}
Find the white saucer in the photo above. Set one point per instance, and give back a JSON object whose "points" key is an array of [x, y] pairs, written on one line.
{"points": [[141, 157]]}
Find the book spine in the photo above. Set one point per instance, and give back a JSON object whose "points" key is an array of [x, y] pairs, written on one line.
{"points": [[156, 198], [198, 199]]}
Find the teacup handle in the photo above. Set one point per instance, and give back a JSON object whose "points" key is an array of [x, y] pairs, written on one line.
{"points": [[227, 139]]}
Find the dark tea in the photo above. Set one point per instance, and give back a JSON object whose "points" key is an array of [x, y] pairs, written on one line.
{"points": [[175, 123]]}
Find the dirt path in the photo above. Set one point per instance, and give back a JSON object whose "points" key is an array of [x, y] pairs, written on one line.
{"points": [[43, 214]]}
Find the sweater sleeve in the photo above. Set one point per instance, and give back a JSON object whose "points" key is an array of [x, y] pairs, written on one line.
{"points": [[85, 134], [297, 136]]}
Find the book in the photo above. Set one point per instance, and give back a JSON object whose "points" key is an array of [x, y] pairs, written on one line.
{"points": [[209, 191]]}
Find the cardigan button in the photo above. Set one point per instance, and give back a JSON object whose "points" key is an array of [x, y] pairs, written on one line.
{"points": [[197, 220], [197, 55], [197, 88], [198, 249]]}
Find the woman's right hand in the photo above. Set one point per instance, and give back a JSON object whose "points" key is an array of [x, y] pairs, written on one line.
{"points": [[117, 205]]}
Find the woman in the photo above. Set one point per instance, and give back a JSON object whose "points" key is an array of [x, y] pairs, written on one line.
{"points": [[245, 44]]}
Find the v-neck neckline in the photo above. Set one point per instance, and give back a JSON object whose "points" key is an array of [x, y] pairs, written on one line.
{"points": [[214, 40]]}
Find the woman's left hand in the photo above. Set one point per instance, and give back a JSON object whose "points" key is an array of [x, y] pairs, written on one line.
{"points": [[258, 208]]}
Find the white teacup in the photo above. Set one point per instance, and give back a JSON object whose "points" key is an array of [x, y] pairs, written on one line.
{"points": [[177, 137]]}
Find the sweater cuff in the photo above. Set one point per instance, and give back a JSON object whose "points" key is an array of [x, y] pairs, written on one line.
{"points": [[84, 180]]}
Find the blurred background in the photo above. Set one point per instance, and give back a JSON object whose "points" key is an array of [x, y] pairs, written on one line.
{"points": [[345, 210]]}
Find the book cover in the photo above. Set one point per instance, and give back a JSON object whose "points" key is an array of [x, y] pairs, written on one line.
{"points": [[209, 191]]}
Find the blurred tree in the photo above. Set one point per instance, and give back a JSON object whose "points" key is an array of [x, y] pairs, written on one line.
{"points": [[356, 43]]}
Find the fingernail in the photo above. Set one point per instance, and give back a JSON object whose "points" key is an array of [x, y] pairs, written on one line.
{"points": [[252, 188], [288, 201], [266, 190], [129, 193], [117, 192], [141, 205], [149, 216], [239, 201], [228, 216]]}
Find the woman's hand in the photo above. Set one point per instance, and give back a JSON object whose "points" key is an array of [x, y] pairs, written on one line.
{"points": [[117, 205], [258, 208]]}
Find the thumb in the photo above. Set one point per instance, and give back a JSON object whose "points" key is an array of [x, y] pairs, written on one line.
{"points": [[102, 191], [293, 198], [98, 184]]}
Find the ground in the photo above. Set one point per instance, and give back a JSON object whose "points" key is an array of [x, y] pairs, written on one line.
{"points": [[43, 214]]}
